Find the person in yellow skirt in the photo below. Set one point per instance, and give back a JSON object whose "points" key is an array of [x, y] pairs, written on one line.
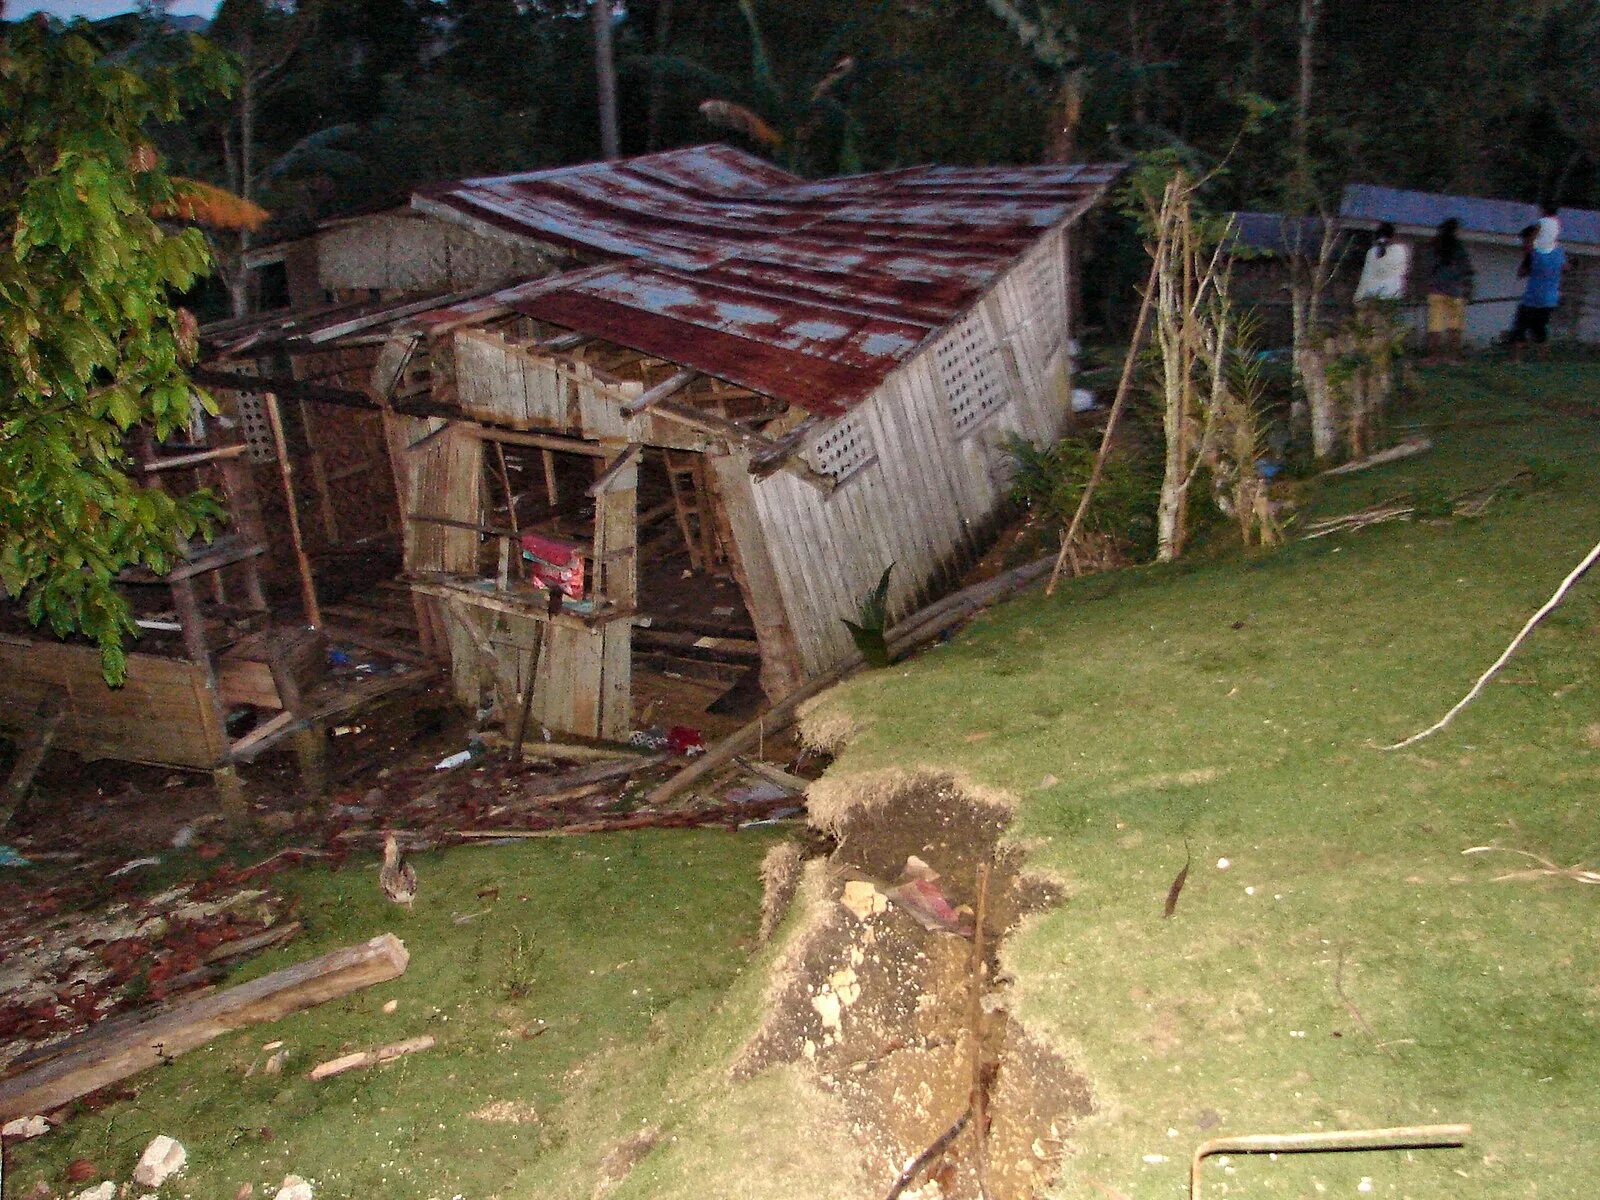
{"points": [[1450, 277]]}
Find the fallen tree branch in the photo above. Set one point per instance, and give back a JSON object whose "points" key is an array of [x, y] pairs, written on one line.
{"points": [[1406, 1137], [1545, 609], [1577, 872], [96, 1062], [362, 1059], [1405, 449]]}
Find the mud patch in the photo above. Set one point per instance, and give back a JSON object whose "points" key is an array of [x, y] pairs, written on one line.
{"points": [[880, 1007]]}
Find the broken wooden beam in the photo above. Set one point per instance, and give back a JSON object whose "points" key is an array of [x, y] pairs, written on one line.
{"points": [[774, 775], [99, 1062], [614, 469], [362, 1059], [670, 386]]}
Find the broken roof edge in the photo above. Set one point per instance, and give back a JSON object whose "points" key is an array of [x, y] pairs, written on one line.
{"points": [[630, 329]]}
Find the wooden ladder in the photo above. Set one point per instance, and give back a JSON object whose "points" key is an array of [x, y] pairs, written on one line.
{"points": [[691, 501]]}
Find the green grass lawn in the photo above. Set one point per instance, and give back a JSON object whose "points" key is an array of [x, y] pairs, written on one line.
{"points": [[1350, 968], [620, 947]]}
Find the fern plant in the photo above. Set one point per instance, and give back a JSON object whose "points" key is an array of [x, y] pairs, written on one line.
{"points": [[869, 632]]}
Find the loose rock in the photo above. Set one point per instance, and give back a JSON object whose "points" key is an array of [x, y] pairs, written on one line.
{"points": [[162, 1158], [23, 1128], [294, 1188]]}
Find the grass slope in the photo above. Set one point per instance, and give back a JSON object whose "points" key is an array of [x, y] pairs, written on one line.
{"points": [[624, 945], [1232, 705]]}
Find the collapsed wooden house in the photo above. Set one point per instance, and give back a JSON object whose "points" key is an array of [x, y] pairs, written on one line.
{"points": [[685, 405]]}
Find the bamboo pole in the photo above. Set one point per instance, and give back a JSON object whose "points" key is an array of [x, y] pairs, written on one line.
{"points": [[308, 587], [1124, 386]]}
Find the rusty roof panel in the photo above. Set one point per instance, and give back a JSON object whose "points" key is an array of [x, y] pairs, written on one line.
{"points": [[811, 292]]}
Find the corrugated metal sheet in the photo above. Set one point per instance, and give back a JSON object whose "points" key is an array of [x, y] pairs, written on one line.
{"points": [[811, 292], [1425, 210]]}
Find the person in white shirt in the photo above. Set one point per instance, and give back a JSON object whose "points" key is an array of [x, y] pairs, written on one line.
{"points": [[1384, 272]]}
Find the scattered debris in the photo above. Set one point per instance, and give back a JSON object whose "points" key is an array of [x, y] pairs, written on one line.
{"points": [[23, 1128], [507, 1112], [863, 899], [371, 1058], [396, 877], [1577, 872], [294, 1188], [133, 865], [105, 1190], [1407, 448], [163, 1158], [113, 1052]]}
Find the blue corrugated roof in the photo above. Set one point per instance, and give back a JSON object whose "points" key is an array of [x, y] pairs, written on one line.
{"points": [[1369, 202], [1276, 233]]}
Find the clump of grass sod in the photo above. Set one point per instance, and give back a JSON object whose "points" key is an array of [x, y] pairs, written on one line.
{"points": [[1334, 961], [616, 947]]}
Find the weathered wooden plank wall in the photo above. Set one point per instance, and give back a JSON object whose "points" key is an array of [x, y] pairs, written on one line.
{"points": [[162, 714], [927, 496], [401, 252], [502, 384]]}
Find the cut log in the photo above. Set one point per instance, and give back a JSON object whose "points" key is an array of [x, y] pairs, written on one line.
{"points": [[99, 1062], [371, 1058]]}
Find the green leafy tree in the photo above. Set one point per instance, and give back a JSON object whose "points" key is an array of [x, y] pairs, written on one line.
{"points": [[93, 345]]}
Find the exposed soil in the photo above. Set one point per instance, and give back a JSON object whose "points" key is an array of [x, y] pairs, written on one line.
{"points": [[881, 1007]]}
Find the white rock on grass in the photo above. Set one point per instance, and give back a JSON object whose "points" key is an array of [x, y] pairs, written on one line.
{"points": [[101, 1191], [23, 1128], [294, 1188], [162, 1158]]}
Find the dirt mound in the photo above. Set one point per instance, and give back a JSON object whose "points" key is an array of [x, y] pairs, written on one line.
{"points": [[876, 993]]}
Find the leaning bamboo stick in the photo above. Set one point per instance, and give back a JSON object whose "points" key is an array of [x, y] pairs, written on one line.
{"points": [[308, 587], [1124, 386], [1405, 1137]]}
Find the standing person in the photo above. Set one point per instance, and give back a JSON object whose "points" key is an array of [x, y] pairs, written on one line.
{"points": [[1384, 270], [1540, 294], [1449, 289]]}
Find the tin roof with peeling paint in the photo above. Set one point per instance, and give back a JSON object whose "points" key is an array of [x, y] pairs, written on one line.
{"points": [[809, 291]]}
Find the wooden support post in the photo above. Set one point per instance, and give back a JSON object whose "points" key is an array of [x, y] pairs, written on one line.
{"points": [[308, 587], [319, 475], [551, 490], [230, 793], [310, 743], [30, 754]]}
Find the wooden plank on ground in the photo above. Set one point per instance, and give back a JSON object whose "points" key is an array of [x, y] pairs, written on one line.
{"points": [[104, 1061]]}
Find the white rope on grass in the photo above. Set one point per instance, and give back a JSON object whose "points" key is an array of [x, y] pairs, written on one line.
{"points": [[1505, 655]]}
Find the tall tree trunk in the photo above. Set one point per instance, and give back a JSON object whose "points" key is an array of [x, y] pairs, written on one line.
{"points": [[605, 73], [1302, 181], [1066, 109], [658, 85]]}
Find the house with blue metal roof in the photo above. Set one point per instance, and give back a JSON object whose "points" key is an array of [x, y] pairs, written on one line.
{"points": [[1491, 230]]}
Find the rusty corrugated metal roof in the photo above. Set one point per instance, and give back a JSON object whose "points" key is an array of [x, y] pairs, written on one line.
{"points": [[811, 292]]}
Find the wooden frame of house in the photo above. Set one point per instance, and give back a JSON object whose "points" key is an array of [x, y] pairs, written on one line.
{"points": [[816, 379]]}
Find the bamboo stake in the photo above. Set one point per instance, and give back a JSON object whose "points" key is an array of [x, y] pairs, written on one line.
{"points": [[308, 587], [1404, 1137], [979, 1104], [1124, 386], [1545, 609]]}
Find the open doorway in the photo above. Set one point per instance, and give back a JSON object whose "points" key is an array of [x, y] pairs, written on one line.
{"points": [[696, 663]]}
